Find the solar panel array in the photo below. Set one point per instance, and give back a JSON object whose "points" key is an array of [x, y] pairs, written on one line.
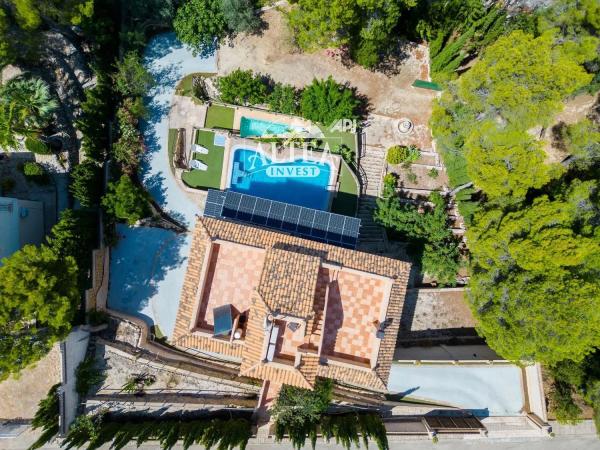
{"points": [[314, 224]]}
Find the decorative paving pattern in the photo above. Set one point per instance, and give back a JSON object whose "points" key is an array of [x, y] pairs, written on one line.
{"points": [[233, 273], [354, 305]]}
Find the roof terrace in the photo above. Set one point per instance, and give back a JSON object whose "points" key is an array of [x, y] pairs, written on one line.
{"points": [[288, 309]]}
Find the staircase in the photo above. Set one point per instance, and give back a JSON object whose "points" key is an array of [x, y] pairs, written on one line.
{"points": [[372, 164]]}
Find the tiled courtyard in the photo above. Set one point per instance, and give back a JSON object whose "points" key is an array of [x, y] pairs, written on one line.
{"points": [[233, 272], [354, 306]]}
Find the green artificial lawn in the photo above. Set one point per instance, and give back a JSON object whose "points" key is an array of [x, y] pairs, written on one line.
{"points": [[219, 116], [335, 138], [210, 178], [345, 200]]}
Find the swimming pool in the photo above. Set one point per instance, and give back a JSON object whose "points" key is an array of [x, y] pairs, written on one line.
{"points": [[298, 182], [255, 127]]}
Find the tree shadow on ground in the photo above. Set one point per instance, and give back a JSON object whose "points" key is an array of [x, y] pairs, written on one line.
{"points": [[139, 264]]}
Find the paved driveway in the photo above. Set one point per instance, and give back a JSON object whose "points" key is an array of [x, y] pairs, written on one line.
{"points": [[148, 265]]}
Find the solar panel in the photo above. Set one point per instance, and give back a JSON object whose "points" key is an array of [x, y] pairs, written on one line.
{"points": [[314, 224]]}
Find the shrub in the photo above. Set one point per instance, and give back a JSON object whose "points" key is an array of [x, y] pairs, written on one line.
{"points": [[561, 402], [87, 376], [390, 181], [136, 383], [346, 153], [326, 102], [412, 177], [433, 173], [35, 172], [399, 154], [126, 201], [37, 146], [242, 87], [86, 183]]}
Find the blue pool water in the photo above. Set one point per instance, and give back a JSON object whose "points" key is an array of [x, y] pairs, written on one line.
{"points": [[299, 182], [256, 127]]}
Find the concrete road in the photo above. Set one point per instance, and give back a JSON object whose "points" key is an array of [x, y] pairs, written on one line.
{"points": [[588, 442], [558, 443]]}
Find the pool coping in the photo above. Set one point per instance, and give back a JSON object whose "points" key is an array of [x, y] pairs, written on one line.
{"points": [[334, 162]]}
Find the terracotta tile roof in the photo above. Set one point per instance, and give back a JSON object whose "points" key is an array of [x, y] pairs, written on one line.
{"points": [[309, 365], [278, 374], [259, 237], [255, 334], [393, 314], [354, 376], [305, 255], [288, 282], [191, 282], [209, 344]]}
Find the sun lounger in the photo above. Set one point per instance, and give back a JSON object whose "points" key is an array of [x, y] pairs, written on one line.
{"points": [[199, 149], [198, 165]]}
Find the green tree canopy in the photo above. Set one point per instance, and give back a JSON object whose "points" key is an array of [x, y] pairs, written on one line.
{"points": [[26, 106], [86, 183], [240, 16], [125, 200], [131, 78], [200, 23], [582, 141], [522, 80], [38, 298], [427, 228], [284, 99], [30, 13], [534, 283], [326, 101], [366, 26], [506, 162]]}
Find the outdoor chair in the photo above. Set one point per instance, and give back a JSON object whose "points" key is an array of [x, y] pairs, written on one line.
{"points": [[199, 149], [198, 165]]}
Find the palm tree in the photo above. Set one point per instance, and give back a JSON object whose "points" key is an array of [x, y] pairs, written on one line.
{"points": [[26, 107]]}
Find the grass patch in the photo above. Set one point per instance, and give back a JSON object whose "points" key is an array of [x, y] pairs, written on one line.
{"points": [[184, 87], [345, 200], [219, 116], [171, 145], [210, 178]]}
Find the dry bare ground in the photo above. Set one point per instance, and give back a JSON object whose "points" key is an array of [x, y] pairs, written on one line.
{"points": [[273, 53], [574, 111]]}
